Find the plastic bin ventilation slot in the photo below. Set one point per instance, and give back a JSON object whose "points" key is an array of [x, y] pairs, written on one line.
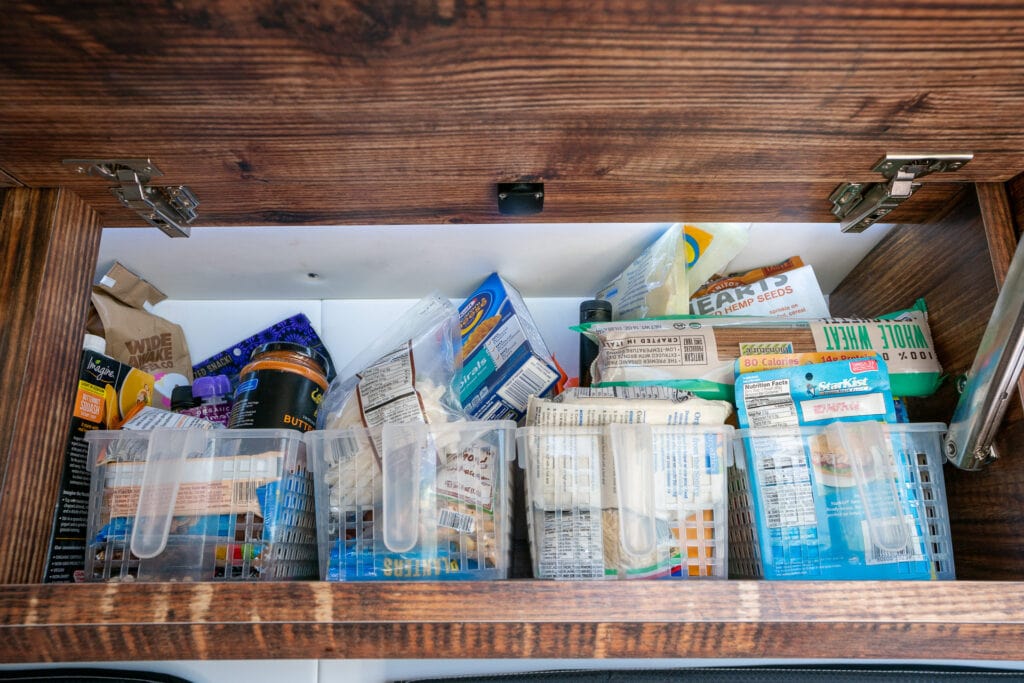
{"points": [[862, 500], [200, 505], [626, 501], [414, 501]]}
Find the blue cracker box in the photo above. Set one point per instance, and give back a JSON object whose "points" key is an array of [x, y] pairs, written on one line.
{"points": [[836, 502], [231, 360], [505, 360]]}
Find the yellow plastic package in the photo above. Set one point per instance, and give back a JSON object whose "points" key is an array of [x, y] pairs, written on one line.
{"points": [[660, 280], [709, 249]]}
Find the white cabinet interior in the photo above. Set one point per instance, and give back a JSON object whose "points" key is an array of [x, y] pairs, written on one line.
{"points": [[226, 283]]}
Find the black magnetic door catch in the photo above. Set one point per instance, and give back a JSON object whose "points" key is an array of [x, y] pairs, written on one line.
{"points": [[520, 199]]}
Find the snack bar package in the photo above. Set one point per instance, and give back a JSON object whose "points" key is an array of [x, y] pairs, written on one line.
{"points": [[793, 294], [747, 278], [436, 506], [696, 354], [505, 360], [580, 406]]}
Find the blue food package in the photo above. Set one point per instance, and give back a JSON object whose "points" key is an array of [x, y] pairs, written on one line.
{"points": [[836, 502], [356, 560], [231, 360], [849, 390], [505, 360]]}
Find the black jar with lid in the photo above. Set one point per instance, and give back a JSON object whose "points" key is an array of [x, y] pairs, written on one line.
{"points": [[591, 311], [281, 387]]}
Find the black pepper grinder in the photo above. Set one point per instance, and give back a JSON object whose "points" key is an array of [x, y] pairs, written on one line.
{"points": [[591, 311]]}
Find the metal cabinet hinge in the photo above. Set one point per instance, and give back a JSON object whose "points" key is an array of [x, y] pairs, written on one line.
{"points": [[858, 205], [171, 208]]}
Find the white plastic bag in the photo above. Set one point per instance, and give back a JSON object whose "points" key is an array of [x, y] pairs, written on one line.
{"points": [[406, 375]]}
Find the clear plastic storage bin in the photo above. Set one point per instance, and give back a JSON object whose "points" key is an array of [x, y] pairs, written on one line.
{"points": [[200, 505], [414, 501], [853, 500], [626, 500]]}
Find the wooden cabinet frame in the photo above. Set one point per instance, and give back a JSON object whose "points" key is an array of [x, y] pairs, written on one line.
{"points": [[50, 241], [391, 112]]}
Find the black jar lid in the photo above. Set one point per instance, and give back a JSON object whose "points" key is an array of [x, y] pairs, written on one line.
{"points": [[595, 310], [292, 347], [182, 398]]}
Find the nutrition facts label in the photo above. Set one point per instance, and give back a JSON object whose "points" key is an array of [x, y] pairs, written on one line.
{"points": [[781, 464], [571, 546], [387, 391], [769, 404], [785, 482]]}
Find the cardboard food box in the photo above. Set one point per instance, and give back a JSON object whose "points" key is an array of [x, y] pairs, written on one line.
{"points": [[504, 358], [109, 392]]}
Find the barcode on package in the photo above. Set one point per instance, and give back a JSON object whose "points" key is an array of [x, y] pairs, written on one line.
{"points": [[245, 491], [530, 380], [890, 529], [460, 521]]}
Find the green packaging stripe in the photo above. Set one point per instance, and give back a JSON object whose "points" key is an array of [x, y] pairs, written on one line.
{"points": [[711, 391], [903, 384]]}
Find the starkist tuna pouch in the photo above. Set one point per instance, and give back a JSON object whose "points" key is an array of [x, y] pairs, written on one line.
{"points": [[835, 501], [844, 390]]}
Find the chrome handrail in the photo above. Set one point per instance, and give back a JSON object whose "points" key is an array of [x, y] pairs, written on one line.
{"points": [[992, 377]]}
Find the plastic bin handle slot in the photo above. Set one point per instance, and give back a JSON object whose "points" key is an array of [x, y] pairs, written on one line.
{"points": [[165, 464], [874, 471], [408, 468], [632, 449]]}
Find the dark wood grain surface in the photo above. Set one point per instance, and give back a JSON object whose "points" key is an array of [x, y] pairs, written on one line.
{"points": [[513, 619], [947, 262], [48, 245], [1001, 236], [320, 112], [437, 202], [7, 181], [1015, 191], [1000, 228], [280, 112]]}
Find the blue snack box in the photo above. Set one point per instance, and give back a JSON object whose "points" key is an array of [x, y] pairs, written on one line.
{"points": [[231, 360], [505, 360]]}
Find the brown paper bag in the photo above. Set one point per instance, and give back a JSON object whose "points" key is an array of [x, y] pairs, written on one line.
{"points": [[137, 337]]}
